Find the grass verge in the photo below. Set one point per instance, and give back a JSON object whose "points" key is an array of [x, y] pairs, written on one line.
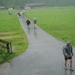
{"points": [[57, 21], [11, 30]]}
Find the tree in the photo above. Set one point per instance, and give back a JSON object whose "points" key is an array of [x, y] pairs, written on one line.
{"points": [[10, 3]]}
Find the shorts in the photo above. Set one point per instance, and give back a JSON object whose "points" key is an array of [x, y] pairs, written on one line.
{"points": [[28, 23], [66, 58]]}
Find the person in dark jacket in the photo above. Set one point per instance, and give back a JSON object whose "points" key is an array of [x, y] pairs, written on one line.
{"points": [[68, 53], [28, 23]]}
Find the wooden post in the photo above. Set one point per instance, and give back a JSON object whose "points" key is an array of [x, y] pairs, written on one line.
{"points": [[7, 45], [10, 47]]}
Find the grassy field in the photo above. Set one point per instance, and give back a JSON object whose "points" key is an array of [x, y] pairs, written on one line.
{"points": [[11, 30], [57, 21]]}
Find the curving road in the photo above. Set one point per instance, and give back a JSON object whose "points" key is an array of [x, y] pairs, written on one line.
{"points": [[43, 57]]}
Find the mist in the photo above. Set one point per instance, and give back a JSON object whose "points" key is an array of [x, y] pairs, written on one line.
{"points": [[51, 3]]}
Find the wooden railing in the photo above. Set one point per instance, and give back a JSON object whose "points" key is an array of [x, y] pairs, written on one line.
{"points": [[6, 45]]}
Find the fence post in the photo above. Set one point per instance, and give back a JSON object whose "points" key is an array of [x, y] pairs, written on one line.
{"points": [[7, 45], [10, 47]]}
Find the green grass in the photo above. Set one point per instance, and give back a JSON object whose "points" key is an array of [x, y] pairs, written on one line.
{"points": [[57, 21], [11, 30]]}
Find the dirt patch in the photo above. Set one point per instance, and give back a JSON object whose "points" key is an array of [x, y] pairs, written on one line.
{"points": [[9, 37], [4, 32]]}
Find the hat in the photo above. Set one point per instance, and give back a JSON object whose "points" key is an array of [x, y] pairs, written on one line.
{"points": [[68, 42]]}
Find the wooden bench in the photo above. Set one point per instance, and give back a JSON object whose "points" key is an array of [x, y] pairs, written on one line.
{"points": [[6, 45]]}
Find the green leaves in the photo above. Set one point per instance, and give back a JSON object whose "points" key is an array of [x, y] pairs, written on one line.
{"points": [[52, 3]]}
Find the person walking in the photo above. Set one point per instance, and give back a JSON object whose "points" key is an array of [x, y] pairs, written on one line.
{"points": [[19, 14], [35, 21], [68, 53], [28, 23]]}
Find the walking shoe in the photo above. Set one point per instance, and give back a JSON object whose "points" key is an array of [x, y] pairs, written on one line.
{"points": [[71, 69], [65, 68]]}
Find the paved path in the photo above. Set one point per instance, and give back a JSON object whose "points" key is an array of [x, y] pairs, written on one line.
{"points": [[43, 56], [4, 69]]}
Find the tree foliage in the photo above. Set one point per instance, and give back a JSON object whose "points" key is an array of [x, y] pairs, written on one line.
{"points": [[11, 3]]}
